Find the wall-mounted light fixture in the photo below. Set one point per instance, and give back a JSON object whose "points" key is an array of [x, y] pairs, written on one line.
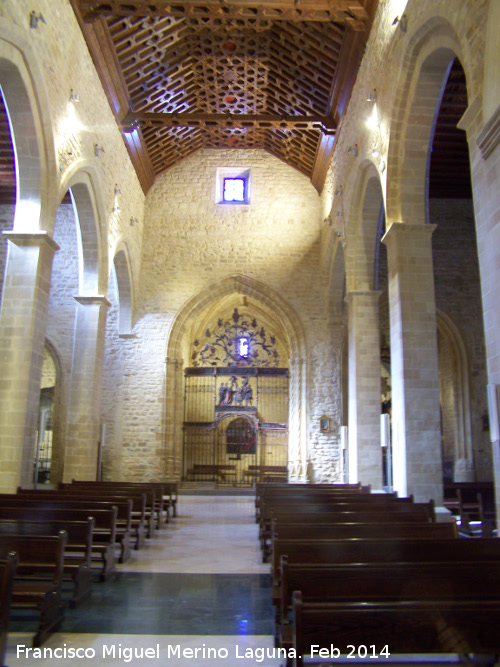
{"points": [[98, 150], [372, 96], [353, 149], [117, 190], [403, 22], [35, 19], [338, 192], [133, 222], [73, 97], [378, 156]]}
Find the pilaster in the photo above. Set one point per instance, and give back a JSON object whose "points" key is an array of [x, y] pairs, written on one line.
{"points": [[297, 444]]}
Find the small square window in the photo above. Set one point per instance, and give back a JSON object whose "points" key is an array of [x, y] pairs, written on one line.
{"points": [[232, 186], [234, 190]]}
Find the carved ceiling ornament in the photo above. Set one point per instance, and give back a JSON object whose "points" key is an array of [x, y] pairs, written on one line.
{"points": [[238, 341]]}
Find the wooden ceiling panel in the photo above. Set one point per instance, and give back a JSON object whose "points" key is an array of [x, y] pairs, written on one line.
{"points": [[272, 59]]}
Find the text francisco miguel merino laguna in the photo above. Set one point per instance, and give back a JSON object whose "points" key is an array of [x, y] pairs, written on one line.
{"points": [[127, 654]]}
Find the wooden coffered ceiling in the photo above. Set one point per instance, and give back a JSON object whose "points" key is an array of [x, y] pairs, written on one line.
{"points": [[274, 75]]}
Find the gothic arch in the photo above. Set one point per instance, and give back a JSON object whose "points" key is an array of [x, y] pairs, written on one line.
{"points": [[291, 325]]}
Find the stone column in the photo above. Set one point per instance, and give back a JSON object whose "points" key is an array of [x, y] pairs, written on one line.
{"points": [[23, 319], [364, 400], [416, 431], [81, 449], [297, 428]]}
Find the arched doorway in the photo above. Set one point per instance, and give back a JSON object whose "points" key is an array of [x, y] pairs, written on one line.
{"points": [[236, 401]]}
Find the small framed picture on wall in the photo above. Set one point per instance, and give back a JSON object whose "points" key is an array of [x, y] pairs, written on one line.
{"points": [[324, 424]]}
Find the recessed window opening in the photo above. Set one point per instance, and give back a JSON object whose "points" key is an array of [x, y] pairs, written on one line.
{"points": [[234, 189], [232, 186]]}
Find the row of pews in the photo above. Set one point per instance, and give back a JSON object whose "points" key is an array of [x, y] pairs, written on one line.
{"points": [[365, 576], [55, 543]]}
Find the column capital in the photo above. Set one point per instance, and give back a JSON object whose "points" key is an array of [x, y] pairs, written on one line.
{"points": [[358, 293], [171, 361], [401, 229], [31, 239], [96, 300]]}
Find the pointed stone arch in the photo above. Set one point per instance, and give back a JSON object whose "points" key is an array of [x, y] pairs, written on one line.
{"points": [[292, 327]]}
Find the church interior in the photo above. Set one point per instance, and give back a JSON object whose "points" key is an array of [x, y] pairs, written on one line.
{"points": [[247, 242]]}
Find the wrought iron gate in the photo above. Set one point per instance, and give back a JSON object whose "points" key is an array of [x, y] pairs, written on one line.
{"points": [[236, 425]]}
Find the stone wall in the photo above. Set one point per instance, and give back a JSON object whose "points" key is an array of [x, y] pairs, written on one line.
{"points": [[192, 242]]}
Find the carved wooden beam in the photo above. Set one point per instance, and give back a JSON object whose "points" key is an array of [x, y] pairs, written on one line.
{"points": [[346, 12], [143, 119]]}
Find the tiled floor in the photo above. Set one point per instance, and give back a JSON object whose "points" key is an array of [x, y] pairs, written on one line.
{"points": [[198, 594]]}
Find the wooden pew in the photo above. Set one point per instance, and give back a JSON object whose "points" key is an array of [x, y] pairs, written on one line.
{"points": [[383, 582], [468, 628], [131, 512], [366, 516], [78, 550], [105, 516], [38, 580], [144, 509], [170, 489], [270, 491], [386, 550], [163, 494], [8, 567], [318, 500], [322, 550]]}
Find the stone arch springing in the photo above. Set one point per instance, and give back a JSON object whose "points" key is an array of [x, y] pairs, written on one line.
{"points": [[290, 322]]}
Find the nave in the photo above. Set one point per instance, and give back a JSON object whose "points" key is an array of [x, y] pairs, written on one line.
{"points": [[199, 583]]}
